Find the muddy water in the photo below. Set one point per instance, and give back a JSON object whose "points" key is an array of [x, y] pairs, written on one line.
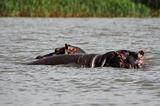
{"points": [[22, 39]]}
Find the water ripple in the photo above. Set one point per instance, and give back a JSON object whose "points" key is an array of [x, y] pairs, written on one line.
{"points": [[22, 39]]}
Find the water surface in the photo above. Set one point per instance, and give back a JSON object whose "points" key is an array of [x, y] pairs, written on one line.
{"points": [[22, 39]]}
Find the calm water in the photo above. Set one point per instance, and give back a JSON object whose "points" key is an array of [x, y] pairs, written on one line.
{"points": [[22, 39]]}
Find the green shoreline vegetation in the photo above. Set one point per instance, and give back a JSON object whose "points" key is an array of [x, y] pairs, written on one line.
{"points": [[78, 8]]}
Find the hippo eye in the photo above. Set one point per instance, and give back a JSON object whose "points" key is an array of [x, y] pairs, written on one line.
{"points": [[57, 49]]}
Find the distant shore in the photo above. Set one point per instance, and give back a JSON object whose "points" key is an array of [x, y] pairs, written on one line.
{"points": [[76, 8]]}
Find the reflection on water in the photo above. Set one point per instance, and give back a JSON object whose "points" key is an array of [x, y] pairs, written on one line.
{"points": [[22, 39]]}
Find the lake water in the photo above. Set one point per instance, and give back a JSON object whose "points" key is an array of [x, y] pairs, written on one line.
{"points": [[22, 39]]}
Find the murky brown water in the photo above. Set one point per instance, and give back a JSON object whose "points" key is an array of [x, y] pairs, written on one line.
{"points": [[22, 39]]}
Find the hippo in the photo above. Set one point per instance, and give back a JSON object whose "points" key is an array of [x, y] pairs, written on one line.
{"points": [[67, 49], [129, 59], [119, 59]]}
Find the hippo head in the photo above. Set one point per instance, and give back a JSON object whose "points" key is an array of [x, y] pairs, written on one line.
{"points": [[68, 49], [132, 60], [140, 58]]}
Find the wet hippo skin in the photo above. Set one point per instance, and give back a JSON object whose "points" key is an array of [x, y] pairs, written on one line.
{"points": [[67, 49], [71, 54], [65, 59], [121, 58]]}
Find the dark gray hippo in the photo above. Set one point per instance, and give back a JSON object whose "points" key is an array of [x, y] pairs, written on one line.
{"points": [[67, 49], [120, 58]]}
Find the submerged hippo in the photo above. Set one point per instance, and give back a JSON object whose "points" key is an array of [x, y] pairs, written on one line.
{"points": [[67, 49], [120, 58]]}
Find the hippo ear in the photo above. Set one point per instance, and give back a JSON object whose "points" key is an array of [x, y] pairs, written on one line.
{"points": [[141, 52], [66, 46]]}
